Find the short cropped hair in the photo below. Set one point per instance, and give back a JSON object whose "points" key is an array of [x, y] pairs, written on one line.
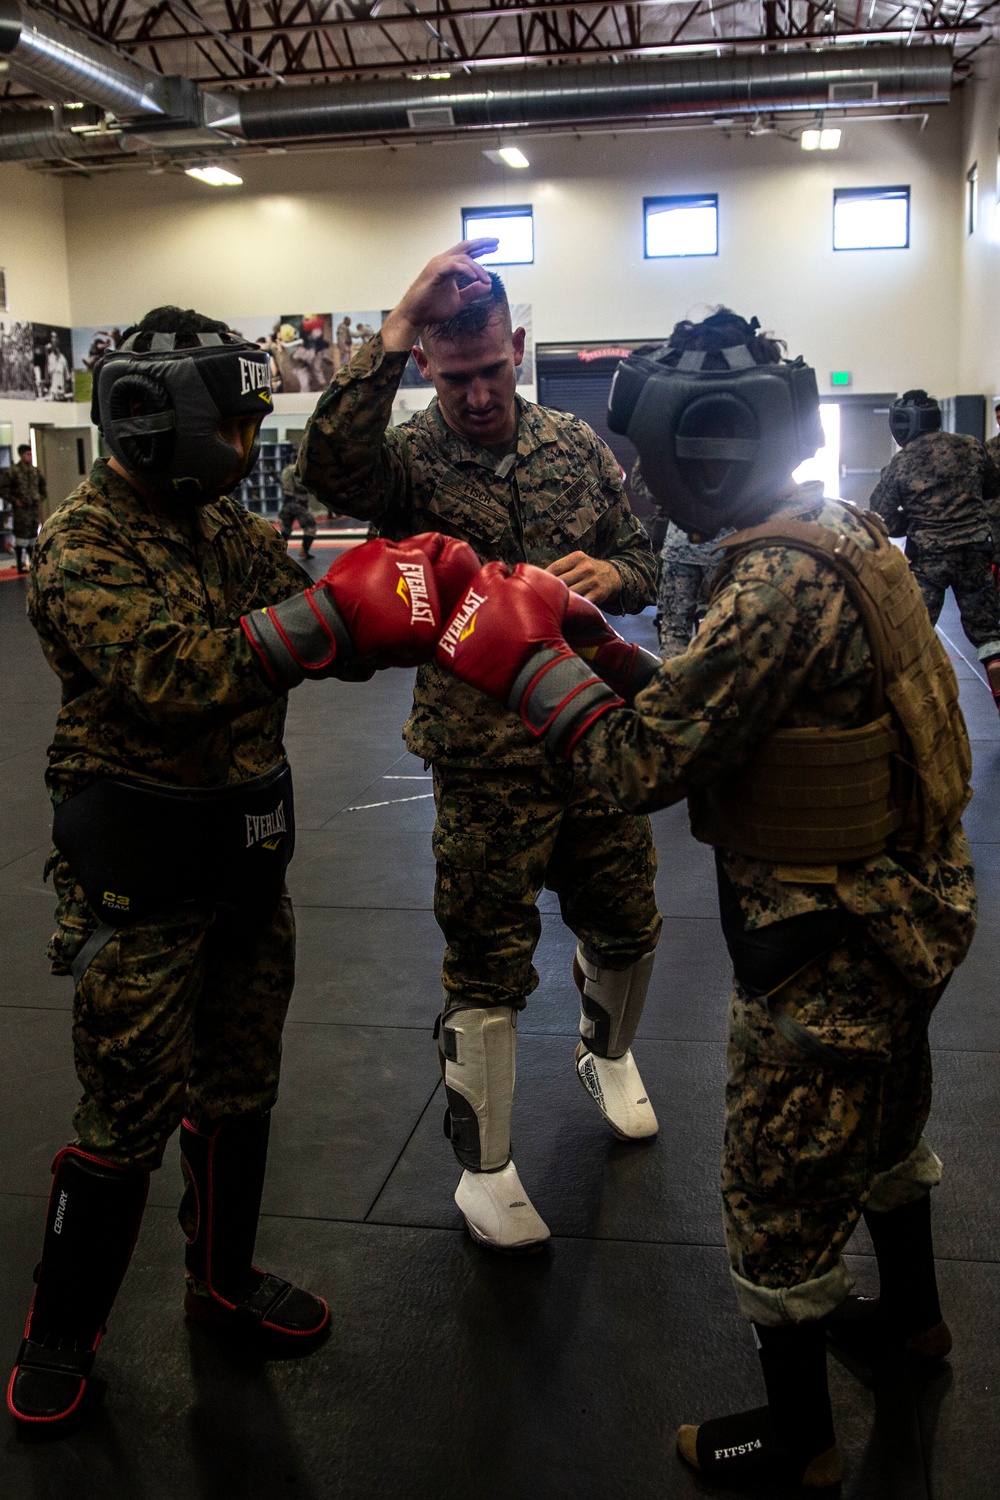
{"points": [[184, 322], [23, 448], [474, 318], [724, 329]]}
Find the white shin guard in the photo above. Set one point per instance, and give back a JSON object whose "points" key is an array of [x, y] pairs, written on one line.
{"points": [[478, 1047], [611, 1002]]}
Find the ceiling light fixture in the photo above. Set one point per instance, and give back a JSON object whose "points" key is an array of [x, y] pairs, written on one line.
{"points": [[508, 156], [214, 176], [809, 140], [829, 140]]}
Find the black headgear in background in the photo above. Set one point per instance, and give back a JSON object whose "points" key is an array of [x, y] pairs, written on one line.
{"points": [[913, 414], [173, 443]]}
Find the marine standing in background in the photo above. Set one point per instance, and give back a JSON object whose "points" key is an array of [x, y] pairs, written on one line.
{"points": [[177, 623], [813, 725], [296, 507], [941, 492], [22, 487], [516, 481], [993, 443]]}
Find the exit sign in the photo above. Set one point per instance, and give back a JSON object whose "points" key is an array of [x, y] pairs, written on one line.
{"points": [[840, 377]]}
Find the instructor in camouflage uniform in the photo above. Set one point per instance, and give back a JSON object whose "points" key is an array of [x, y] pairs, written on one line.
{"points": [[296, 507], [22, 487], [941, 492], [813, 724], [518, 482], [176, 623]]}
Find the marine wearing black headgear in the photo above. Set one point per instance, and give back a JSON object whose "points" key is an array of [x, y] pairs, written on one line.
{"points": [[162, 395], [913, 414], [720, 420]]}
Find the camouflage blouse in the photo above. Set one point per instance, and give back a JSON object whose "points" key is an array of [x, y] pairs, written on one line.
{"points": [[782, 646], [139, 618], [560, 492]]}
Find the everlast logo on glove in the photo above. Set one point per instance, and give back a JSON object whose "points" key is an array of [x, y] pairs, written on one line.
{"points": [[463, 624], [412, 588]]}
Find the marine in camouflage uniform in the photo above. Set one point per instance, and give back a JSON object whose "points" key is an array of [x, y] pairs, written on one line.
{"points": [[808, 1141], [508, 821], [941, 492], [296, 507], [501, 806], [683, 574], [23, 489], [139, 618]]}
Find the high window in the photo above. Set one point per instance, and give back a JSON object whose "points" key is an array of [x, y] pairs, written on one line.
{"points": [[871, 218], [686, 224], [513, 227]]}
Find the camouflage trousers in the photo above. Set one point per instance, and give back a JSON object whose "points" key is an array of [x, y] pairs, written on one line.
{"points": [[177, 1016], [680, 592], [501, 834], [811, 1140], [965, 570], [296, 510]]}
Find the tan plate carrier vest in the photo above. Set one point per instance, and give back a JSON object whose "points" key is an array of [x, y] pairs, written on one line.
{"points": [[830, 796]]}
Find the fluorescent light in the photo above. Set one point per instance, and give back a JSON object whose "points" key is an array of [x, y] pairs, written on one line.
{"points": [[508, 156], [214, 176], [809, 140], [829, 140]]}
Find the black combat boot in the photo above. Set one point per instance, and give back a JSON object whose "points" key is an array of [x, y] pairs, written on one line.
{"points": [[93, 1218], [19, 559], [791, 1440], [905, 1318], [224, 1174]]}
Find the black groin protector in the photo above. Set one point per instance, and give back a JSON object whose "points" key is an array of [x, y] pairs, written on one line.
{"points": [[913, 414], [716, 445], [174, 446], [137, 848]]}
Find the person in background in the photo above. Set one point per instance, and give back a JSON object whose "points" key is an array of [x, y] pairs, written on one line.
{"points": [[993, 443], [846, 900], [515, 481], [23, 489], [942, 492], [296, 507]]}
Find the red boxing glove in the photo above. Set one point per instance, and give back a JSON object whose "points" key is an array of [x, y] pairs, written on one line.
{"points": [[506, 639], [454, 562], [625, 667], [377, 604]]}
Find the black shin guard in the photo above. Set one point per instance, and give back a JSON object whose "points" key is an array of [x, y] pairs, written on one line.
{"points": [[906, 1316], [908, 1292], [95, 1209], [790, 1441], [224, 1171]]}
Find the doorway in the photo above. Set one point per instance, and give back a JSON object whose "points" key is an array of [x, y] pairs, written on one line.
{"points": [[64, 455]]}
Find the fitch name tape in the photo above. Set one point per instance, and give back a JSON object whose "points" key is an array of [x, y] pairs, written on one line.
{"points": [[461, 625], [412, 587]]}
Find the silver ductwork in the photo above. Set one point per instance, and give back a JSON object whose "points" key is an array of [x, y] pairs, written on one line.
{"points": [[171, 114], [61, 63], [651, 91]]}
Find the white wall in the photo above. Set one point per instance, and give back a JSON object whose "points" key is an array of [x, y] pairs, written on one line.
{"points": [[347, 229], [979, 347], [33, 253]]}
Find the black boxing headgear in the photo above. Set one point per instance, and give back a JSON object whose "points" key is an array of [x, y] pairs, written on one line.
{"points": [[717, 445], [172, 441], [913, 414]]}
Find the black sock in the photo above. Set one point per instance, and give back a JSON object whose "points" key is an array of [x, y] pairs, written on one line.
{"points": [[908, 1294], [793, 1359]]}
